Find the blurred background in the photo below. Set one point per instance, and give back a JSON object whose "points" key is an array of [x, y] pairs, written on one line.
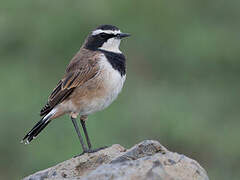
{"points": [[182, 88]]}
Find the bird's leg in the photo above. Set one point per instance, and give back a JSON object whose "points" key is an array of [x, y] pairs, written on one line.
{"points": [[79, 135], [82, 120], [90, 150]]}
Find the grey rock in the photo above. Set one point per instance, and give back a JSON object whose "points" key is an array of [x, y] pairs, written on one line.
{"points": [[146, 160]]}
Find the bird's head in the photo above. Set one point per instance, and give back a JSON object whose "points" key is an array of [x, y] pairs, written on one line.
{"points": [[105, 37]]}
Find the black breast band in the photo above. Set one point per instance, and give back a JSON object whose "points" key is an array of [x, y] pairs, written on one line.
{"points": [[117, 60]]}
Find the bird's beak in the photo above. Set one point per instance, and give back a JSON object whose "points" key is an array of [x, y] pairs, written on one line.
{"points": [[123, 35]]}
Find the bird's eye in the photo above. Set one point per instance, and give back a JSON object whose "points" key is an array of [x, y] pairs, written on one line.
{"points": [[104, 35]]}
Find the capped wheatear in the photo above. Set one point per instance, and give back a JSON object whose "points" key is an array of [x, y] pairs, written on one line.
{"points": [[92, 81]]}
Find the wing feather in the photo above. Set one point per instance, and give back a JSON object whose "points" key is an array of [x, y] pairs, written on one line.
{"points": [[78, 73]]}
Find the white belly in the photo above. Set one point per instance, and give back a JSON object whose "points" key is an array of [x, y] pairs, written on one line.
{"points": [[113, 83]]}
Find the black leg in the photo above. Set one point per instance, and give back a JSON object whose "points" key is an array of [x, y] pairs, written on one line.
{"points": [[79, 135], [83, 123], [86, 133]]}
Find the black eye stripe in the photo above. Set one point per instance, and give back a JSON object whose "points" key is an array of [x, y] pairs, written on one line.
{"points": [[96, 41], [106, 36]]}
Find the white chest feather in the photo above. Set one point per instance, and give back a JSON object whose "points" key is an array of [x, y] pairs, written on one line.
{"points": [[112, 80]]}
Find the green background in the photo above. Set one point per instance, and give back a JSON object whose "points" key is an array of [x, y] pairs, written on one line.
{"points": [[182, 85]]}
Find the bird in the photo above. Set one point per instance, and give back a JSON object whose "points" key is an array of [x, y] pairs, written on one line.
{"points": [[92, 81]]}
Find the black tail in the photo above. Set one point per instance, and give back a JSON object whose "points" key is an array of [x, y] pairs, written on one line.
{"points": [[38, 127]]}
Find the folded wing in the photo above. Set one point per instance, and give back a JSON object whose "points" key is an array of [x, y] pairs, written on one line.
{"points": [[76, 75]]}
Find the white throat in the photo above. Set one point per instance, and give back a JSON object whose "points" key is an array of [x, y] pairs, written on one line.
{"points": [[112, 45]]}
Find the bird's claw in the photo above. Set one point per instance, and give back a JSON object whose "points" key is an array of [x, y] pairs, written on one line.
{"points": [[90, 151]]}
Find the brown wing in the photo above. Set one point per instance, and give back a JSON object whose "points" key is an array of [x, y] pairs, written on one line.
{"points": [[81, 69]]}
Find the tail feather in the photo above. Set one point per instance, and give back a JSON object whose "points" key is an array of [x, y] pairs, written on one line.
{"points": [[37, 128]]}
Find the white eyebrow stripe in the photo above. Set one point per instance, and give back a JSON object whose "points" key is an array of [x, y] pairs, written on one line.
{"points": [[98, 31]]}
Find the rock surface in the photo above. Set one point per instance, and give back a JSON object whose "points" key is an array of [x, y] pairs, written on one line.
{"points": [[146, 160]]}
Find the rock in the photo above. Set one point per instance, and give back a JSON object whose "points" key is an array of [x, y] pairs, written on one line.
{"points": [[146, 160]]}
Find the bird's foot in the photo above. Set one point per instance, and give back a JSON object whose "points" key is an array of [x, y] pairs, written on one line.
{"points": [[91, 151], [96, 150]]}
